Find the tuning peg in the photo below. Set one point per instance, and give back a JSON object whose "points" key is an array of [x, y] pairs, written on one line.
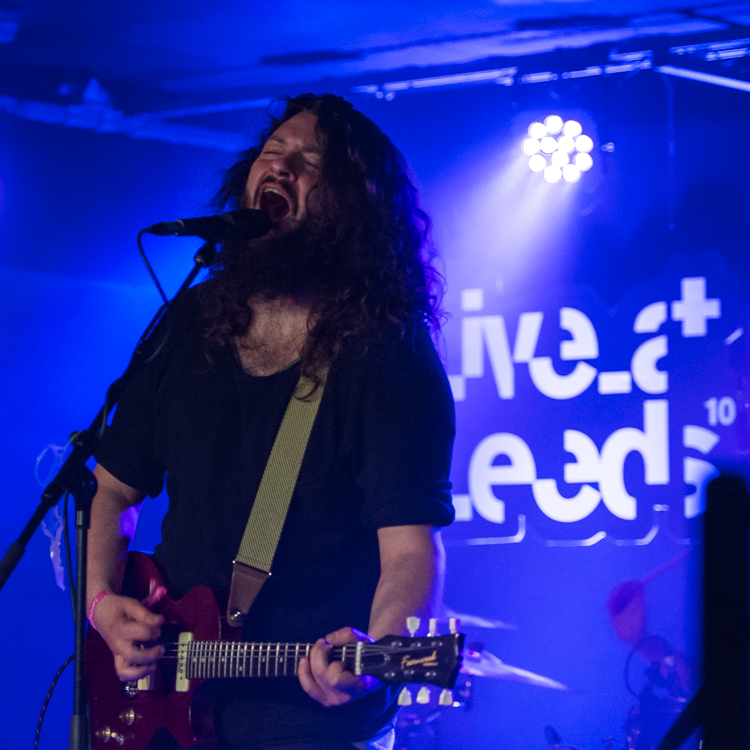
{"points": [[454, 625], [412, 625], [423, 696], [404, 697], [433, 627], [446, 697]]}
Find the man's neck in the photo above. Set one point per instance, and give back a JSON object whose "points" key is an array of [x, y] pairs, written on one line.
{"points": [[275, 337]]}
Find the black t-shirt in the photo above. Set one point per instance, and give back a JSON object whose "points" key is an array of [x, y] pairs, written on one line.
{"points": [[378, 455]]}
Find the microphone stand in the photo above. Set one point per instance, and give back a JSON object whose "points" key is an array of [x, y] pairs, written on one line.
{"points": [[77, 479]]}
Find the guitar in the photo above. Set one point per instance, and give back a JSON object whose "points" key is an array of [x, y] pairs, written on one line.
{"points": [[177, 699]]}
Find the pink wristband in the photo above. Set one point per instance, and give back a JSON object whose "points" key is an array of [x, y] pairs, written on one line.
{"points": [[93, 604]]}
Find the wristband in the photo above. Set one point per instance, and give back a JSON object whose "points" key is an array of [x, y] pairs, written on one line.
{"points": [[93, 604]]}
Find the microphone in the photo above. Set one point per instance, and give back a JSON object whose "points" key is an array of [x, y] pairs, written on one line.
{"points": [[245, 223]]}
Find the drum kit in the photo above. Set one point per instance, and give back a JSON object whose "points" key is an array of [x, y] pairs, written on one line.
{"points": [[417, 726]]}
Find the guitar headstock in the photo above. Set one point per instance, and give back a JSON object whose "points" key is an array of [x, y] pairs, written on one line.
{"points": [[432, 659]]}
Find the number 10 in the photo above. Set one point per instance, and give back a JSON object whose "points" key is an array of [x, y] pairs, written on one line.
{"points": [[721, 411]]}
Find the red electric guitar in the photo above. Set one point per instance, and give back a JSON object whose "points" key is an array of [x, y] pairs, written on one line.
{"points": [[129, 714]]}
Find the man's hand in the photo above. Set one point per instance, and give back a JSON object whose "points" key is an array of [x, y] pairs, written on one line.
{"points": [[329, 682], [130, 630]]}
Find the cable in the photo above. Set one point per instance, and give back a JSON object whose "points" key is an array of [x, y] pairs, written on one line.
{"points": [[47, 699], [148, 265]]}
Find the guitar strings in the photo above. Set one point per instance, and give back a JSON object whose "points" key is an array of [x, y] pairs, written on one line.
{"points": [[274, 652]]}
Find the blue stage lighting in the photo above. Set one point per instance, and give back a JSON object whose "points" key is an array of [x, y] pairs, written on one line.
{"points": [[571, 173], [584, 144], [554, 124], [559, 149], [584, 162], [531, 146], [537, 130], [553, 173], [537, 163]]}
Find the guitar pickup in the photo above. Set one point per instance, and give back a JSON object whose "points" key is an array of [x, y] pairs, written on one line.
{"points": [[181, 681]]}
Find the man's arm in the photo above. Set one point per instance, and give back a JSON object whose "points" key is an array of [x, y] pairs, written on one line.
{"points": [[122, 622], [412, 562], [412, 568]]}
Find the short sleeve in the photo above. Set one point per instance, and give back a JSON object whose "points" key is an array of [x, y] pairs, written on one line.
{"points": [[403, 440], [127, 448]]}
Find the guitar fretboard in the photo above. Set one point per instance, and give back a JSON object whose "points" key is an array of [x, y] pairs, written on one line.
{"points": [[200, 660]]}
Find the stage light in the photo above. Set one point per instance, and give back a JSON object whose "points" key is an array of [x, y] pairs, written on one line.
{"points": [[584, 162], [531, 146], [552, 174], [548, 144], [537, 130], [563, 157], [572, 128], [553, 123], [537, 163], [571, 173]]}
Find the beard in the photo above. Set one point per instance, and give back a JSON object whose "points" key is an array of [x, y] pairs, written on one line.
{"points": [[291, 264]]}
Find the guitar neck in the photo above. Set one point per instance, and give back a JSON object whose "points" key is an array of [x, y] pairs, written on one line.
{"points": [[200, 660]]}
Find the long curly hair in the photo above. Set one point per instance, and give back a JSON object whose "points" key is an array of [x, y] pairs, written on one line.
{"points": [[370, 233]]}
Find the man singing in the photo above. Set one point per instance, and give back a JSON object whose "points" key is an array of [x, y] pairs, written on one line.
{"points": [[342, 280]]}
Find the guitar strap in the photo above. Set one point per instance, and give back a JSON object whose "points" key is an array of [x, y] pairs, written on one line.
{"points": [[252, 565]]}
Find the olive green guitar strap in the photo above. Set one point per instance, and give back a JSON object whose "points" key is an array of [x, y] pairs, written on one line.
{"points": [[252, 565]]}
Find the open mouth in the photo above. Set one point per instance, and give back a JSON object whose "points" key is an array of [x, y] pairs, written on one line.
{"points": [[274, 203]]}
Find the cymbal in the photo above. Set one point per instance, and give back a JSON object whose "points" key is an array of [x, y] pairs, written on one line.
{"points": [[475, 621], [485, 664]]}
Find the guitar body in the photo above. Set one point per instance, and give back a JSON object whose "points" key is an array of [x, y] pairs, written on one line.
{"points": [[187, 716]]}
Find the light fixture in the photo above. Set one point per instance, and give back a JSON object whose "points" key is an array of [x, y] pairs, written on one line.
{"points": [[531, 146], [553, 173], [537, 130], [553, 123], [571, 173], [548, 144], [537, 163], [559, 149], [584, 162]]}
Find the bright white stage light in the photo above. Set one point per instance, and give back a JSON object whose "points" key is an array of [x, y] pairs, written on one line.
{"points": [[537, 163], [531, 146], [552, 174], [584, 162], [559, 149], [548, 144], [537, 130], [584, 144], [553, 123]]}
